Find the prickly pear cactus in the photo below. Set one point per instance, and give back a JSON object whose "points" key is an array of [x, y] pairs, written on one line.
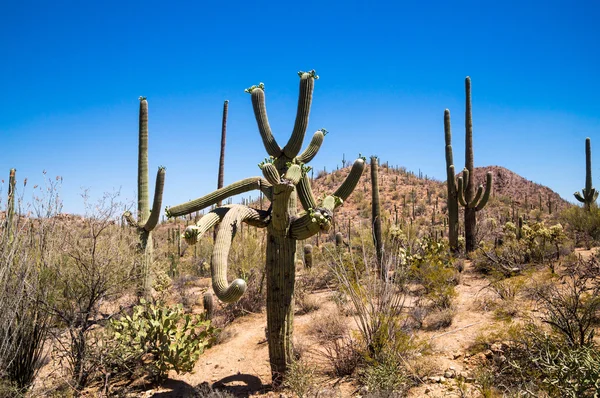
{"points": [[284, 181]]}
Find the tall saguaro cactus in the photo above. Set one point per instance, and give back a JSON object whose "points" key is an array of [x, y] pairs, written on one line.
{"points": [[472, 202], [376, 216], [284, 181], [10, 204], [465, 188], [147, 218], [451, 186], [589, 194]]}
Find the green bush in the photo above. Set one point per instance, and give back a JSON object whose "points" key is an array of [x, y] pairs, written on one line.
{"points": [[174, 340]]}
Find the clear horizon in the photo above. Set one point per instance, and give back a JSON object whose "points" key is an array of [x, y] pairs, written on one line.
{"points": [[72, 73]]}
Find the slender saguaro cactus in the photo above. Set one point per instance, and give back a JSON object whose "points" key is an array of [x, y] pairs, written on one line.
{"points": [[222, 158], [284, 181], [452, 201], [376, 216], [589, 194], [308, 256], [472, 202], [147, 218], [10, 204]]}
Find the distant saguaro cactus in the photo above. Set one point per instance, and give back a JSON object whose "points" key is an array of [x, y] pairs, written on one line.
{"points": [[308, 256], [339, 240], [285, 180], [10, 204], [472, 202], [221, 174], [209, 305], [147, 218], [589, 194], [376, 215]]}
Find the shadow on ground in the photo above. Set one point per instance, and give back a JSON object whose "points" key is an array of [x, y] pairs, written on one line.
{"points": [[240, 385]]}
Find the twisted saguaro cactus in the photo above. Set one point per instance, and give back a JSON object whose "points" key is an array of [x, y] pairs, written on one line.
{"points": [[376, 216], [465, 189], [589, 194], [147, 218], [285, 180], [452, 201]]}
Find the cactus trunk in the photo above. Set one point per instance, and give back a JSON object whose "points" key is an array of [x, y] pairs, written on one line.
{"points": [[281, 275], [589, 194]]}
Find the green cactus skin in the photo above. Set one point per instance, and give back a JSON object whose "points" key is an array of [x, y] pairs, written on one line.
{"points": [[308, 256], [376, 216], [589, 194], [452, 201], [10, 205], [471, 201], [147, 219], [284, 182], [209, 305]]}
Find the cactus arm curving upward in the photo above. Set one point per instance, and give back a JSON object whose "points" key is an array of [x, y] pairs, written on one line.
{"points": [[260, 113], [307, 83], [305, 194], [271, 174], [486, 193], [351, 180], [238, 187], [152, 221], [313, 148]]}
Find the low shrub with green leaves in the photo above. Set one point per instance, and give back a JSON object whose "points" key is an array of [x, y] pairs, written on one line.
{"points": [[174, 340]]}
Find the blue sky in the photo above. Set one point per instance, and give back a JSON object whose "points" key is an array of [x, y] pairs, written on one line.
{"points": [[71, 74]]}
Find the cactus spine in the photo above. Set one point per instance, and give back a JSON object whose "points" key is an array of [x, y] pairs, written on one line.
{"points": [[376, 216], [285, 180], [589, 194], [147, 218], [472, 202], [452, 200]]}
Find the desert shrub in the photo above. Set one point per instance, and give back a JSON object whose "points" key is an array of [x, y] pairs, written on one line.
{"points": [[582, 225], [534, 244], [301, 379], [386, 375], [329, 327], [174, 340], [96, 263], [26, 248], [343, 355]]}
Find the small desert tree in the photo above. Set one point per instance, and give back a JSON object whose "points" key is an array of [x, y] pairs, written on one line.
{"points": [[285, 180]]}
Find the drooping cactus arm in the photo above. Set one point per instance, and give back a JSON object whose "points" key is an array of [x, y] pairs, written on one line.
{"points": [[579, 197], [307, 83], [313, 148], [486, 194], [305, 194], [238, 187], [230, 224], [194, 232], [351, 180], [260, 113]]}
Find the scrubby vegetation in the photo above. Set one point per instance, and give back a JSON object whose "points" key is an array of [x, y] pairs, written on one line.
{"points": [[390, 298]]}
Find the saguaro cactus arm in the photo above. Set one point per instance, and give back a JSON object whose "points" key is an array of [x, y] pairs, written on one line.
{"points": [[152, 220], [245, 185], [307, 83], [481, 196], [352, 179], [305, 194], [313, 148], [260, 112]]}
